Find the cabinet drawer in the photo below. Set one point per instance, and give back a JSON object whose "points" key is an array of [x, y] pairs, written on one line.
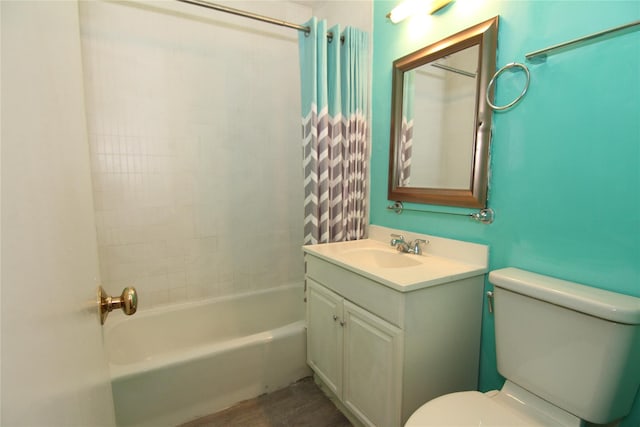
{"points": [[374, 297]]}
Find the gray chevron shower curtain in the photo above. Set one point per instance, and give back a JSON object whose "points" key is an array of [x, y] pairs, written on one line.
{"points": [[406, 131], [335, 132]]}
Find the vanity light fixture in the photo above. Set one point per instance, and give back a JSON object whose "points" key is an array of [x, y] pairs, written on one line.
{"points": [[412, 7]]}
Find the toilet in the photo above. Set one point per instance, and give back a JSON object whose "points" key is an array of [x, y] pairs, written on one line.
{"points": [[570, 353]]}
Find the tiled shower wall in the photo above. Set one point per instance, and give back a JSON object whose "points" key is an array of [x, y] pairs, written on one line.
{"points": [[194, 131]]}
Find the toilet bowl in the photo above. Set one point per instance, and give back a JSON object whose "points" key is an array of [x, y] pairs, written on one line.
{"points": [[511, 406], [568, 352]]}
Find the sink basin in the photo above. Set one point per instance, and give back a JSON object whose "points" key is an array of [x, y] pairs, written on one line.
{"points": [[444, 260], [381, 258]]}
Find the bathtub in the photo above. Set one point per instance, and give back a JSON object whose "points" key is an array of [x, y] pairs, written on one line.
{"points": [[175, 364]]}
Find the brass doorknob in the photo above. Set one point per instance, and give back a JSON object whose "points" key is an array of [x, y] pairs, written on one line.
{"points": [[127, 301]]}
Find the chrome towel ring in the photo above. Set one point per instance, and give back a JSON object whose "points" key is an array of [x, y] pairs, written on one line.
{"points": [[495, 76]]}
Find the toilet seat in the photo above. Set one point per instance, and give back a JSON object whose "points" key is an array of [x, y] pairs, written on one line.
{"points": [[469, 408], [512, 406]]}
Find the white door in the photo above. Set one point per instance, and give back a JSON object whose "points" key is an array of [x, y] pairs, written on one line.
{"points": [[54, 371]]}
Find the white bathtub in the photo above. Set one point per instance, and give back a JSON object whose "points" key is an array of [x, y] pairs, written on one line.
{"points": [[171, 365]]}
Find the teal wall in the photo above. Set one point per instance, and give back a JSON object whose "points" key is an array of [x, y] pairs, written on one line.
{"points": [[565, 162]]}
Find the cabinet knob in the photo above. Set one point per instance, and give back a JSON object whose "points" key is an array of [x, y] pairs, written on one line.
{"points": [[335, 317], [342, 323]]}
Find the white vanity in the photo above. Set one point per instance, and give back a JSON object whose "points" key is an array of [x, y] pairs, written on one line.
{"points": [[388, 331]]}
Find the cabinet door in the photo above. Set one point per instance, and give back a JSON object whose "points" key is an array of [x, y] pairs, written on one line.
{"points": [[372, 367], [324, 335]]}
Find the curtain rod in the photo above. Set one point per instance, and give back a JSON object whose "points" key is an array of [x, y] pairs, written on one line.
{"points": [[255, 16]]}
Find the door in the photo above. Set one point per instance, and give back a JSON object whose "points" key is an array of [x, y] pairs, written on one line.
{"points": [[372, 367], [324, 335], [54, 371]]}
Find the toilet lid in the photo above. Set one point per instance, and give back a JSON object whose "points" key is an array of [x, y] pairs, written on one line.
{"points": [[472, 408]]}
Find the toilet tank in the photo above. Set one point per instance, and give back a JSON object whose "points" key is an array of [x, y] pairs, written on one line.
{"points": [[575, 346]]}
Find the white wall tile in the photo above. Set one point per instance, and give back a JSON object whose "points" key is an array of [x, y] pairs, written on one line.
{"points": [[195, 148]]}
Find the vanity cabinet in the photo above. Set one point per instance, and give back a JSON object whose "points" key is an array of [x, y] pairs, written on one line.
{"points": [[383, 353], [356, 354]]}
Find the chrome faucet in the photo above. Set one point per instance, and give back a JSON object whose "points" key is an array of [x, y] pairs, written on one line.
{"points": [[413, 247], [397, 239]]}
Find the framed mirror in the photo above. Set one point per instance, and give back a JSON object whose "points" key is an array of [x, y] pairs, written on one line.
{"points": [[440, 122]]}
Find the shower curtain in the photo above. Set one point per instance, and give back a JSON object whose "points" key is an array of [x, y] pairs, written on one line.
{"points": [[335, 130], [406, 130]]}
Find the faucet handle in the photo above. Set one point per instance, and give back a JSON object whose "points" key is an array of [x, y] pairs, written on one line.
{"points": [[396, 238], [417, 245]]}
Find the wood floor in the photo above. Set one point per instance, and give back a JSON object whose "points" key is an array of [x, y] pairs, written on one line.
{"points": [[300, 405]]}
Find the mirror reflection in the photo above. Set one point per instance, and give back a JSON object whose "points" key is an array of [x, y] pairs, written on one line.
{"points": [[440, 124], [443, 92]]}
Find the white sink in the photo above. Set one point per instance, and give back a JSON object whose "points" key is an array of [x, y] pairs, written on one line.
{"points": [[442, 260], [382, 258]]}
